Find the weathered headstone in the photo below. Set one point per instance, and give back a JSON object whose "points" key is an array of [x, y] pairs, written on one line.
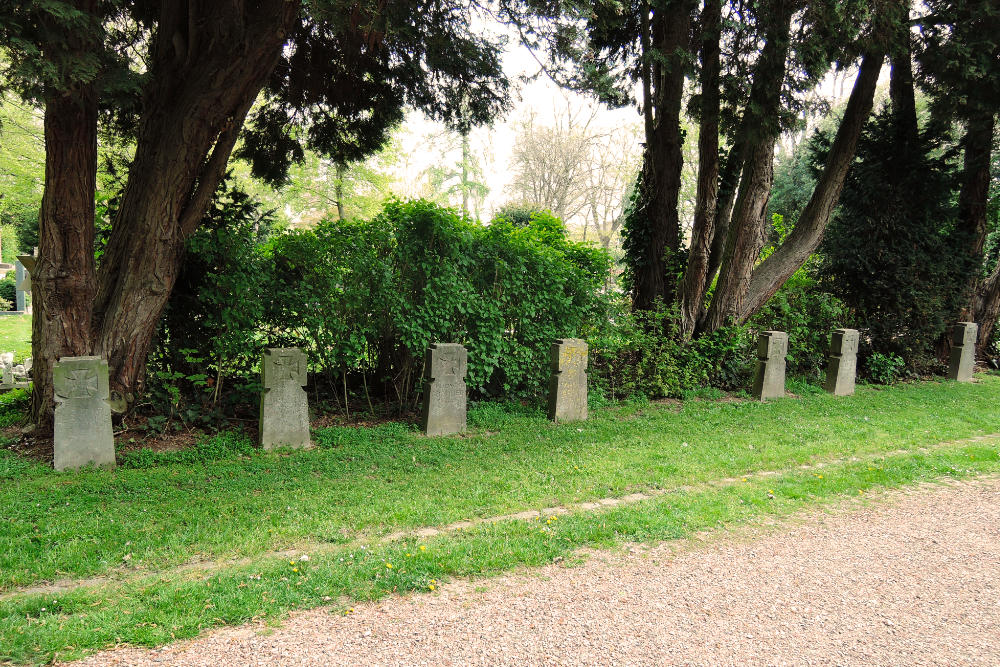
{"points": [[23, 275], [842, 364], [22, 285], [445, 366], [284, 406], [568, 382], [82, 429], [769, 381], [963, 352]]}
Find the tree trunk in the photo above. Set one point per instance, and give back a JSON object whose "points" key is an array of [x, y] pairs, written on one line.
{"points": [[693, 284], [732, 170], [662, 160], [988, 311], [206, 72], [984, 306], [746, 235], [338, 189], [772, 273], [63, 279]]}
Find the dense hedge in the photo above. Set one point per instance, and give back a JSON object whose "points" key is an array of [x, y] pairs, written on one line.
{"points": [[365, 298]]}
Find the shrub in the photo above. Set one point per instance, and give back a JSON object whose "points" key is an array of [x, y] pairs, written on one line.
{"points": [[8, 291], [366, 298], [640, 354], [884, 368]]}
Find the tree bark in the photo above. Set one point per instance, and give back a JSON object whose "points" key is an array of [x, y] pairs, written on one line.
{"points": [[772, 273], [663, 157], [746, 235], [691, 294], [210, 60], [984, 306], [63, 279]]}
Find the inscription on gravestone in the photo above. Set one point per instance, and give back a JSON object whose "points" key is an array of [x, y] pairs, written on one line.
{"points": [[568, 382], [284, 405], [445, 366], [82, 429], [769, 380], [963, 352], [842, 364]]}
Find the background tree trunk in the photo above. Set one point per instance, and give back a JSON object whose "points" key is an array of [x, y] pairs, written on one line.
{"points": [[63, 279], [691, 294], [662, 159]]}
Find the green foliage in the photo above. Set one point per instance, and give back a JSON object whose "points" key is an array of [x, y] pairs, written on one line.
{"points": [[639, 353], [221, 446], [366, 298], [808, 313], [892, 251], [8, 291], [883, 368]]}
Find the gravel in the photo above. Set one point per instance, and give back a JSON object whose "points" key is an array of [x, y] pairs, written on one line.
{"points": [[915, 581]]}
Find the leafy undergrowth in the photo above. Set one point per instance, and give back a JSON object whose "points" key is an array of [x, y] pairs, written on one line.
{"points": [[225, 499]]}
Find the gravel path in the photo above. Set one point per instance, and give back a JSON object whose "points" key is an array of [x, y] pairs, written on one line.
{"points": [[913, 581]]}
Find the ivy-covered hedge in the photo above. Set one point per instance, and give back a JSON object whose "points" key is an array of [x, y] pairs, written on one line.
{"points": [[366, 298]]}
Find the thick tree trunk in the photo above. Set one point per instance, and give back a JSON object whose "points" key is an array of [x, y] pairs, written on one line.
{"points": [[984, 306], [207, 70], [63, 279], [772, 273], [691, 294], [747, 232], [662, 160], [988, 311]]}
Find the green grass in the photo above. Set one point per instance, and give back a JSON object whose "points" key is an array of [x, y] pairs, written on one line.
{"points": [[15, 335], [227, 500]]}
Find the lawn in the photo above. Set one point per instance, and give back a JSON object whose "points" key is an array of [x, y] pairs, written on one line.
{"points": [[15, 335], [230, 503]]}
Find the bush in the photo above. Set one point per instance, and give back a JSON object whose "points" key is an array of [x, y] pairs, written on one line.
{"points": [[366, 298], [884, 368], [8, 291], [640, 354]]}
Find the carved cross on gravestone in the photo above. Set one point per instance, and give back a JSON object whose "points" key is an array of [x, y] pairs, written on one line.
{"points": [[963, 352], [284, 404], [842, 364], [568, 382], [82, 429], [769, 380], [444, 411]]}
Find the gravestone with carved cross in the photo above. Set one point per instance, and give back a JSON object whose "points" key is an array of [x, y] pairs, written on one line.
{"points": [[445, 365], [82, 432], [769, 380], [963, 352], [284, 406], [568, 382], [842, 364]]}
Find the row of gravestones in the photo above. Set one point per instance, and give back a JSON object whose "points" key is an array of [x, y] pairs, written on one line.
{"points": [[83, 416], [769, 379]]}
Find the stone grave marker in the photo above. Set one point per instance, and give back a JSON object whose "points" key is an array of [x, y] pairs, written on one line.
{"points": [[769, 381], [445, 366], [963, 352], [568, 382], [842, 364], [284, 405], [82, 429]]}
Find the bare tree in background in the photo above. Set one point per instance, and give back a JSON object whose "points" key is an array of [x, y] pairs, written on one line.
{"points": [[579, 172], [615, 160]]}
